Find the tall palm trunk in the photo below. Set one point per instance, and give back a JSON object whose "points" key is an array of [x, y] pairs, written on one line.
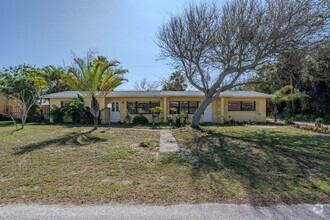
{"points": [[95, 111]]}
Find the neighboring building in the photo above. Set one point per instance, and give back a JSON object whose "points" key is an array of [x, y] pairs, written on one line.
{"points": [[3, 103], [230, 105], [10, 107]]}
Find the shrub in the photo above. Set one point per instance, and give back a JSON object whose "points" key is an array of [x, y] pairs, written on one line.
{"points": [[76, 110], [57, 114], [288, 121], [140, 120], [318, 122]]}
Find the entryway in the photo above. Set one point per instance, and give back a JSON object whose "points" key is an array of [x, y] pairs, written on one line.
{"points": [[115, 111], [208, 114]]}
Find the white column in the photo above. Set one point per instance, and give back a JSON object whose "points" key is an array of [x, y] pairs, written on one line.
{"points": [[165, 110]]}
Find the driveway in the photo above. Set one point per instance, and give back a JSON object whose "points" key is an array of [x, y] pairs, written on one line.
{"points": [[187, 211]]}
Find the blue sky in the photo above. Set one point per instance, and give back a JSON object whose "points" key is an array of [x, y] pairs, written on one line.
{"points": [[44, 32]]}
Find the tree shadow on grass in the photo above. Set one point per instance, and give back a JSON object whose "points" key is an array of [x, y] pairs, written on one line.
{"points": [[273, 167], [74, 139]]}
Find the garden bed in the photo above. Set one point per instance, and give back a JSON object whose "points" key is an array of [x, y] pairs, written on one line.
{"points": [[318, 129]]}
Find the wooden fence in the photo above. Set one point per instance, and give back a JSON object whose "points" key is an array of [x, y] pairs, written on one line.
{"points": [[16, 112]]}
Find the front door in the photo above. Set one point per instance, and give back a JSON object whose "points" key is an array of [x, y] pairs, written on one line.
{"points": [[115, 112], [208, 114]]}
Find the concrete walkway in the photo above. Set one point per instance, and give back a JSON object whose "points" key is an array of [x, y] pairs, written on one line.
{"points": [[308, 123], [184, 211], [167, 142]]}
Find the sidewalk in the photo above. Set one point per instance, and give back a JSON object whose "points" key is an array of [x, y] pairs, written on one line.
{"points": [[184, 211]]}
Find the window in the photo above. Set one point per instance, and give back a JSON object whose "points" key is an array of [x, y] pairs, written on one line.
{"points": [[241, 105], [234, 106], [184, 106], [192, 107], [131, 107], [141, 107], [115, 107], [65, 103]]}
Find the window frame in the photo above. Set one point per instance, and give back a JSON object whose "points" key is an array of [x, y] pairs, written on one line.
{"points": [[65, 103], [189, 107], [151, 105], [240, 107]]}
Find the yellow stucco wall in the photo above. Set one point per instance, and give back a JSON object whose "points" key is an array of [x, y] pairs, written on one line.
{"points": [[259, 115], [123, 107], [218, 112]]}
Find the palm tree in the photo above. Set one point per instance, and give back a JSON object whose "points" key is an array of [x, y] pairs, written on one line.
{"points": [[54, 77], [283, 95], [94, 78], [176, 82]]}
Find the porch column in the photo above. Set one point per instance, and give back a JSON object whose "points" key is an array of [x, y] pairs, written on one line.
{"points": [[222, 110], [165, 109]]}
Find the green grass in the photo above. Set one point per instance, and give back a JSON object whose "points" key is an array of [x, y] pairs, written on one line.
{"points": [[259, 165], [238, 164]]}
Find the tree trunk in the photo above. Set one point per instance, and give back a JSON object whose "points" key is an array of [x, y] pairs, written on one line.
{"points": [[95, 111], [199, 112], [96, 123], [24, 115], [275, 113]]}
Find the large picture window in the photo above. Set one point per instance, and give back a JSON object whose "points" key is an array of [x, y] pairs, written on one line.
{"points": [[241, 105], [141, 107], [184, 106]]}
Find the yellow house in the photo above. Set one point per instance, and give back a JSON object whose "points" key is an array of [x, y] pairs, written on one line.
{"points": [[230, 105]]}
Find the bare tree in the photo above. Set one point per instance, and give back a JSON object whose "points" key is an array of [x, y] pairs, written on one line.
{"points": [[146, 85], [216, 47], [24, 99]]}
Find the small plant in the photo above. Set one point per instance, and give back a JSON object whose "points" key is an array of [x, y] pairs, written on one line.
{"points": [[140, 120], [169, 119], [178, 119], [185, 118], [288, 121], [318, 122], [173, 112], [147, 145], [155, 113], [127, 118]]}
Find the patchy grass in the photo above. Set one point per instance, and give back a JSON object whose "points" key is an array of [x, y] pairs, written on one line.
{"points": [[258, 164], [241, 164], [60, 164]]}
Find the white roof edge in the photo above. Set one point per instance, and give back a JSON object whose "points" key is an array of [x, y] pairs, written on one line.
{"points": [[229, 94]]}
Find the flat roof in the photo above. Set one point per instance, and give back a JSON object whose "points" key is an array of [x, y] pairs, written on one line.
{"points": [[239, 94]]}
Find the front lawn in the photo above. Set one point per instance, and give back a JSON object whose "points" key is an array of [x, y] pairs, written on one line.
{"points": [[258, 164], [241, 164]]}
